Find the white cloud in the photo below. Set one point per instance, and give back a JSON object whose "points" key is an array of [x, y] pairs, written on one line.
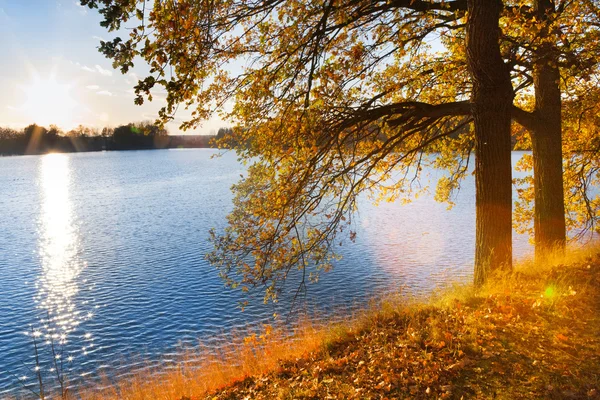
{"points": [[97, 69], [103, 71], [92, 87], [104, 93], [98, 38]]}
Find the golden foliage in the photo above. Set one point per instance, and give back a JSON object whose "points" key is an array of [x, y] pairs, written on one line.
{"points": [[336, 99]]}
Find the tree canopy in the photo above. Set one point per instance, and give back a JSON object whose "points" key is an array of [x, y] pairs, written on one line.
{"points": [[334, 99]]}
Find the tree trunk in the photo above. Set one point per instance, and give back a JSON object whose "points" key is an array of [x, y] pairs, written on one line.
{"points": [[549, 212], [492, 102]]}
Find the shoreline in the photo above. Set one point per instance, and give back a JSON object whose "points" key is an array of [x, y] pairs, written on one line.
{"points": [[513, 338]]}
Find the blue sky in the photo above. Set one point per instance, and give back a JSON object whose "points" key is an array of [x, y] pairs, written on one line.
{"points": [[52, 72]]}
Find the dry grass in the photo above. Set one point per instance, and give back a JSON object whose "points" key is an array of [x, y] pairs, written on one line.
{"points": [[207, 369]]}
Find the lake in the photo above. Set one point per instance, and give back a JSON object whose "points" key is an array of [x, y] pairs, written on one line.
{"points": [[111, 247]]}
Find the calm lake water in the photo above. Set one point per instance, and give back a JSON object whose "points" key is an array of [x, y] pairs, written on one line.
{"points": [[111, 246]]}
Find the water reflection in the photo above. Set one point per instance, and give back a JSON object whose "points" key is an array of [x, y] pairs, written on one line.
{"points": [[432, 229], [58, 284]]}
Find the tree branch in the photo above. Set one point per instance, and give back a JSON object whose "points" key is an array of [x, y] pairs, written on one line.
{"points": [[418, 110], [526, 119]]}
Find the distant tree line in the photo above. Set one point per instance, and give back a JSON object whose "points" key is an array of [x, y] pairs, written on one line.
{"points": [[35, 139]]}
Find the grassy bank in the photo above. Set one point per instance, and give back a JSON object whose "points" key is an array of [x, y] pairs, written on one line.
{"points": [[532, 334]]}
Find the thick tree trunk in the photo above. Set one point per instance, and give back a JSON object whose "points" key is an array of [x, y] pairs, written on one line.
{"points": [[492, 102], [549, 212]]}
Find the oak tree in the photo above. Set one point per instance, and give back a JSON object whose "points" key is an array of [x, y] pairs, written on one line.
{"points": [[331, 100], [556, 43]]}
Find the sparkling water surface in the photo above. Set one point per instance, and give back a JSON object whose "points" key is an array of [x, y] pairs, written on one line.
{"points": [[105, 251]]}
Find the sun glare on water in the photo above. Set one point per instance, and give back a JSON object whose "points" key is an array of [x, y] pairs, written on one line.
{"points": [[49, 102], [59, 246]]}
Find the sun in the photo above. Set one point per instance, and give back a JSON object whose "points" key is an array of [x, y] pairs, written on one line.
{"points": [[49, 102]]}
